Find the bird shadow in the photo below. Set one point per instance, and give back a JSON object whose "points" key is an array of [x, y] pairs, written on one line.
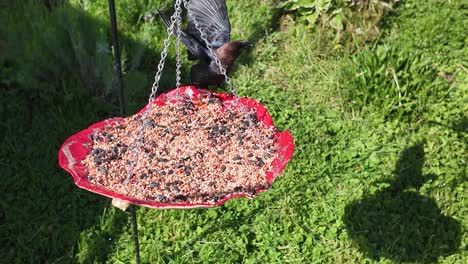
{"points": [[398, 223]]}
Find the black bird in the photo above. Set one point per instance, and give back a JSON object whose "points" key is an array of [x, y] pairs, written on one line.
{"points": [[213, 19]]}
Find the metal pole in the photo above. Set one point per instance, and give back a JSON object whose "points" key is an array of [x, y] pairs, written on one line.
{"points": [[118, 65], [135, 234], [118, 68]]}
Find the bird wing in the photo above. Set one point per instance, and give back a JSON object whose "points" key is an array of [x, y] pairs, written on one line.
{"points": [[212, 17], [195, 50]]}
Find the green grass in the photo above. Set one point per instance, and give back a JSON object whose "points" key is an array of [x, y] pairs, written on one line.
{"points": [[377, 176]]}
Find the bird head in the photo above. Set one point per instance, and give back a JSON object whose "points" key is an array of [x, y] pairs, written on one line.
{"points": [[233, 49], [243, 45]]}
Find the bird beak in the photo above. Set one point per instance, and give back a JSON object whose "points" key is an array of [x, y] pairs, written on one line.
{"points": [[247, 45]]}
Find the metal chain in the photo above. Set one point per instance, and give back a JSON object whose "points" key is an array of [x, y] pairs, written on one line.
{"points": [[178, 24], [154, 89]]}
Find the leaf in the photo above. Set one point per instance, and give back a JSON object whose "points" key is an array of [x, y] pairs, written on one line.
{"points": [[312, 18], [337, 22], [298, 4], [322, 5]]}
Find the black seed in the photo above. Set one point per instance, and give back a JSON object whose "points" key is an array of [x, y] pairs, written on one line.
{"points": [[91, 137], [101, 169], [90, 178], [157, 114], [101, 154], [165, 132], [120, 127], [151, 155], [96, 151], [267, 156], [253, 118], [216, 198], [143, 176], [181, 197], [256, 147], [211, 183], [245, 123], [176, 189], [104, 133], [162, 160], [161, 198], [220, 152], [212, 100], [237, 157], [170, 171], [154, 184], [162, 173], [250, 155], [223, 168], [260, 162], [238, 189], [150, 124]]}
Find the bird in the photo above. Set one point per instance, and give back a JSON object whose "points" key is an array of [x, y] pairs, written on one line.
{"points": [[212, 18]]}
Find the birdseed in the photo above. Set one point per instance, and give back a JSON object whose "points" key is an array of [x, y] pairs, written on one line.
{"points": [[194, 151]]}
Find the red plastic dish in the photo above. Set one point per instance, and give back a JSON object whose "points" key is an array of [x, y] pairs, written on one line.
{"points": [[77, 147]]}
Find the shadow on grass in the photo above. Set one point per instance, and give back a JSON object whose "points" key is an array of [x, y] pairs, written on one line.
{"points": [[400, 224]]}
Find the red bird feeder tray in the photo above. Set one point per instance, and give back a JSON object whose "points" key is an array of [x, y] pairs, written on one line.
{"points": [[76, 150]]}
